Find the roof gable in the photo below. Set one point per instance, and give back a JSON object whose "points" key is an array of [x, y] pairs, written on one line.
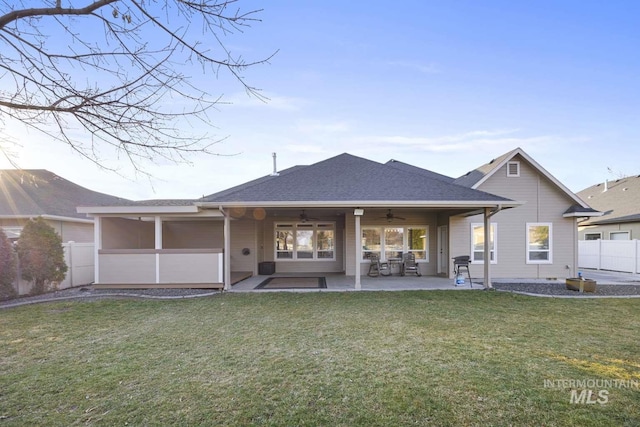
{"points": [[350, 178], [475, 178], [38, 192]]}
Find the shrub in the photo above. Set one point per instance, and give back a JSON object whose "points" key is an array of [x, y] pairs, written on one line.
{"points": [[41, 255], [7, 267]]}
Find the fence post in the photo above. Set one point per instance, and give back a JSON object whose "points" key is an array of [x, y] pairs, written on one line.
{"points": [[599, 254], [70, 266]]}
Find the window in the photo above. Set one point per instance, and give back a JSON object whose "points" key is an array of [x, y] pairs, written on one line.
{"points": [[417, 242], [12, 233], [620, 235], [284, 241], [325, 241], [393, 242], [477, 243], [592, 236], [371, 242], [513, 169], [307, 241], [539, 240]]}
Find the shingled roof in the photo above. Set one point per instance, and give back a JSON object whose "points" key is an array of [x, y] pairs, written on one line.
{"points": [[472, 178], [619, 200], [410, 168], [38, 192], [350, 178]]}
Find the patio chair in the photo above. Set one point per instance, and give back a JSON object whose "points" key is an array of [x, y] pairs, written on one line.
{"points": [[377, 267], [461, 262], [409, 264]]}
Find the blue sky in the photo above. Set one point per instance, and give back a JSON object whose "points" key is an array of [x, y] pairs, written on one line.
{"points": [[443, 85]]}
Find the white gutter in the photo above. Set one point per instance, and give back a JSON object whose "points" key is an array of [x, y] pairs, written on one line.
{"points": [[364, 204], [147, 210], [49, 217]]}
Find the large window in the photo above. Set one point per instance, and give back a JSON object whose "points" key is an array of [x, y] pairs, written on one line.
{"points": [[539, 250], [477, 243], [393, 242], [305, 241]]}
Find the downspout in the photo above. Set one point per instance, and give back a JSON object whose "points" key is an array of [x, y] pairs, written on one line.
{"points": [[226, 253], [358, 284], [488, 213]]}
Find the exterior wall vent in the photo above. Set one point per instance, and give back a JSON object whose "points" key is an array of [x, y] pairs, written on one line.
{"points": [[513, 169]]}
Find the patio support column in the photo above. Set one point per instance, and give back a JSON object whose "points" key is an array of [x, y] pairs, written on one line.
{"points": [[357, 213], [488, 213], [487, 249], [158, 245], [227, 251], [97, 245]]}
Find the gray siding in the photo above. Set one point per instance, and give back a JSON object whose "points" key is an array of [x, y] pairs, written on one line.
{"points": [[74, 231], [244, 235], [120, 233], [192, 234], [632, 227], [544, 202], [78, 232]]}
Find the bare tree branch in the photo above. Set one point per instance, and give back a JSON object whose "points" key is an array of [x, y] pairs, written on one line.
{"points": [[126, 86]]}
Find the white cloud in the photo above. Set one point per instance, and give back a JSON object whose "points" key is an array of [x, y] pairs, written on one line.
{"points": [[480, 140], [272, 101], [429, 68]]}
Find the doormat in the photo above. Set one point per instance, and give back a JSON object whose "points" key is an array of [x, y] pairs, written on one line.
{"points": [[293, 283]]}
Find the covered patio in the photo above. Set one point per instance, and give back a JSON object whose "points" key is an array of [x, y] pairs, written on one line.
{"points": [[342, 282]]}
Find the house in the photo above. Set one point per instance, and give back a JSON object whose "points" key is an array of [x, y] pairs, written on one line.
{"points": [[32, 193], [619, 200], [332, 216]]}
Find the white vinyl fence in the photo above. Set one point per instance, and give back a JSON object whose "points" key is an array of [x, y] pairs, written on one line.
{"points": [[614, 255], [80, 261]]}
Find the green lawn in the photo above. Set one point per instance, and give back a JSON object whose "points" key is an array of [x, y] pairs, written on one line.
{"points": [[358, 358]]}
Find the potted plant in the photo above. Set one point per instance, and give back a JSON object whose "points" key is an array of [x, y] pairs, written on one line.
{"points": [[581, 284]]}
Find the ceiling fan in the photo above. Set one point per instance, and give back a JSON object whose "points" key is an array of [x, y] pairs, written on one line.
{"points": [[304, 217], [390, 217]]}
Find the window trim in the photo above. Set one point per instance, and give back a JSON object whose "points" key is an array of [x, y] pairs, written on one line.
{"points": [[494, 226], [550, 250], [405, 241], [627, 232], [314, 226], [517, 166], [598, 233]]}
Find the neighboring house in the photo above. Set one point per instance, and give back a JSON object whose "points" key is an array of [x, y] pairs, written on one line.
{"points": [[619, 200], [32, 193], [332, 216]]}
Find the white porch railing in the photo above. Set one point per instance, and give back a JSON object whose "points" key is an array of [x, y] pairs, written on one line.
{"points": [[160, 266], [614, 255]]}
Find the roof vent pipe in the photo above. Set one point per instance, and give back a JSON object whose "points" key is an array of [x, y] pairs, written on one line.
{"points": [[606, 185], [275, 168]]}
